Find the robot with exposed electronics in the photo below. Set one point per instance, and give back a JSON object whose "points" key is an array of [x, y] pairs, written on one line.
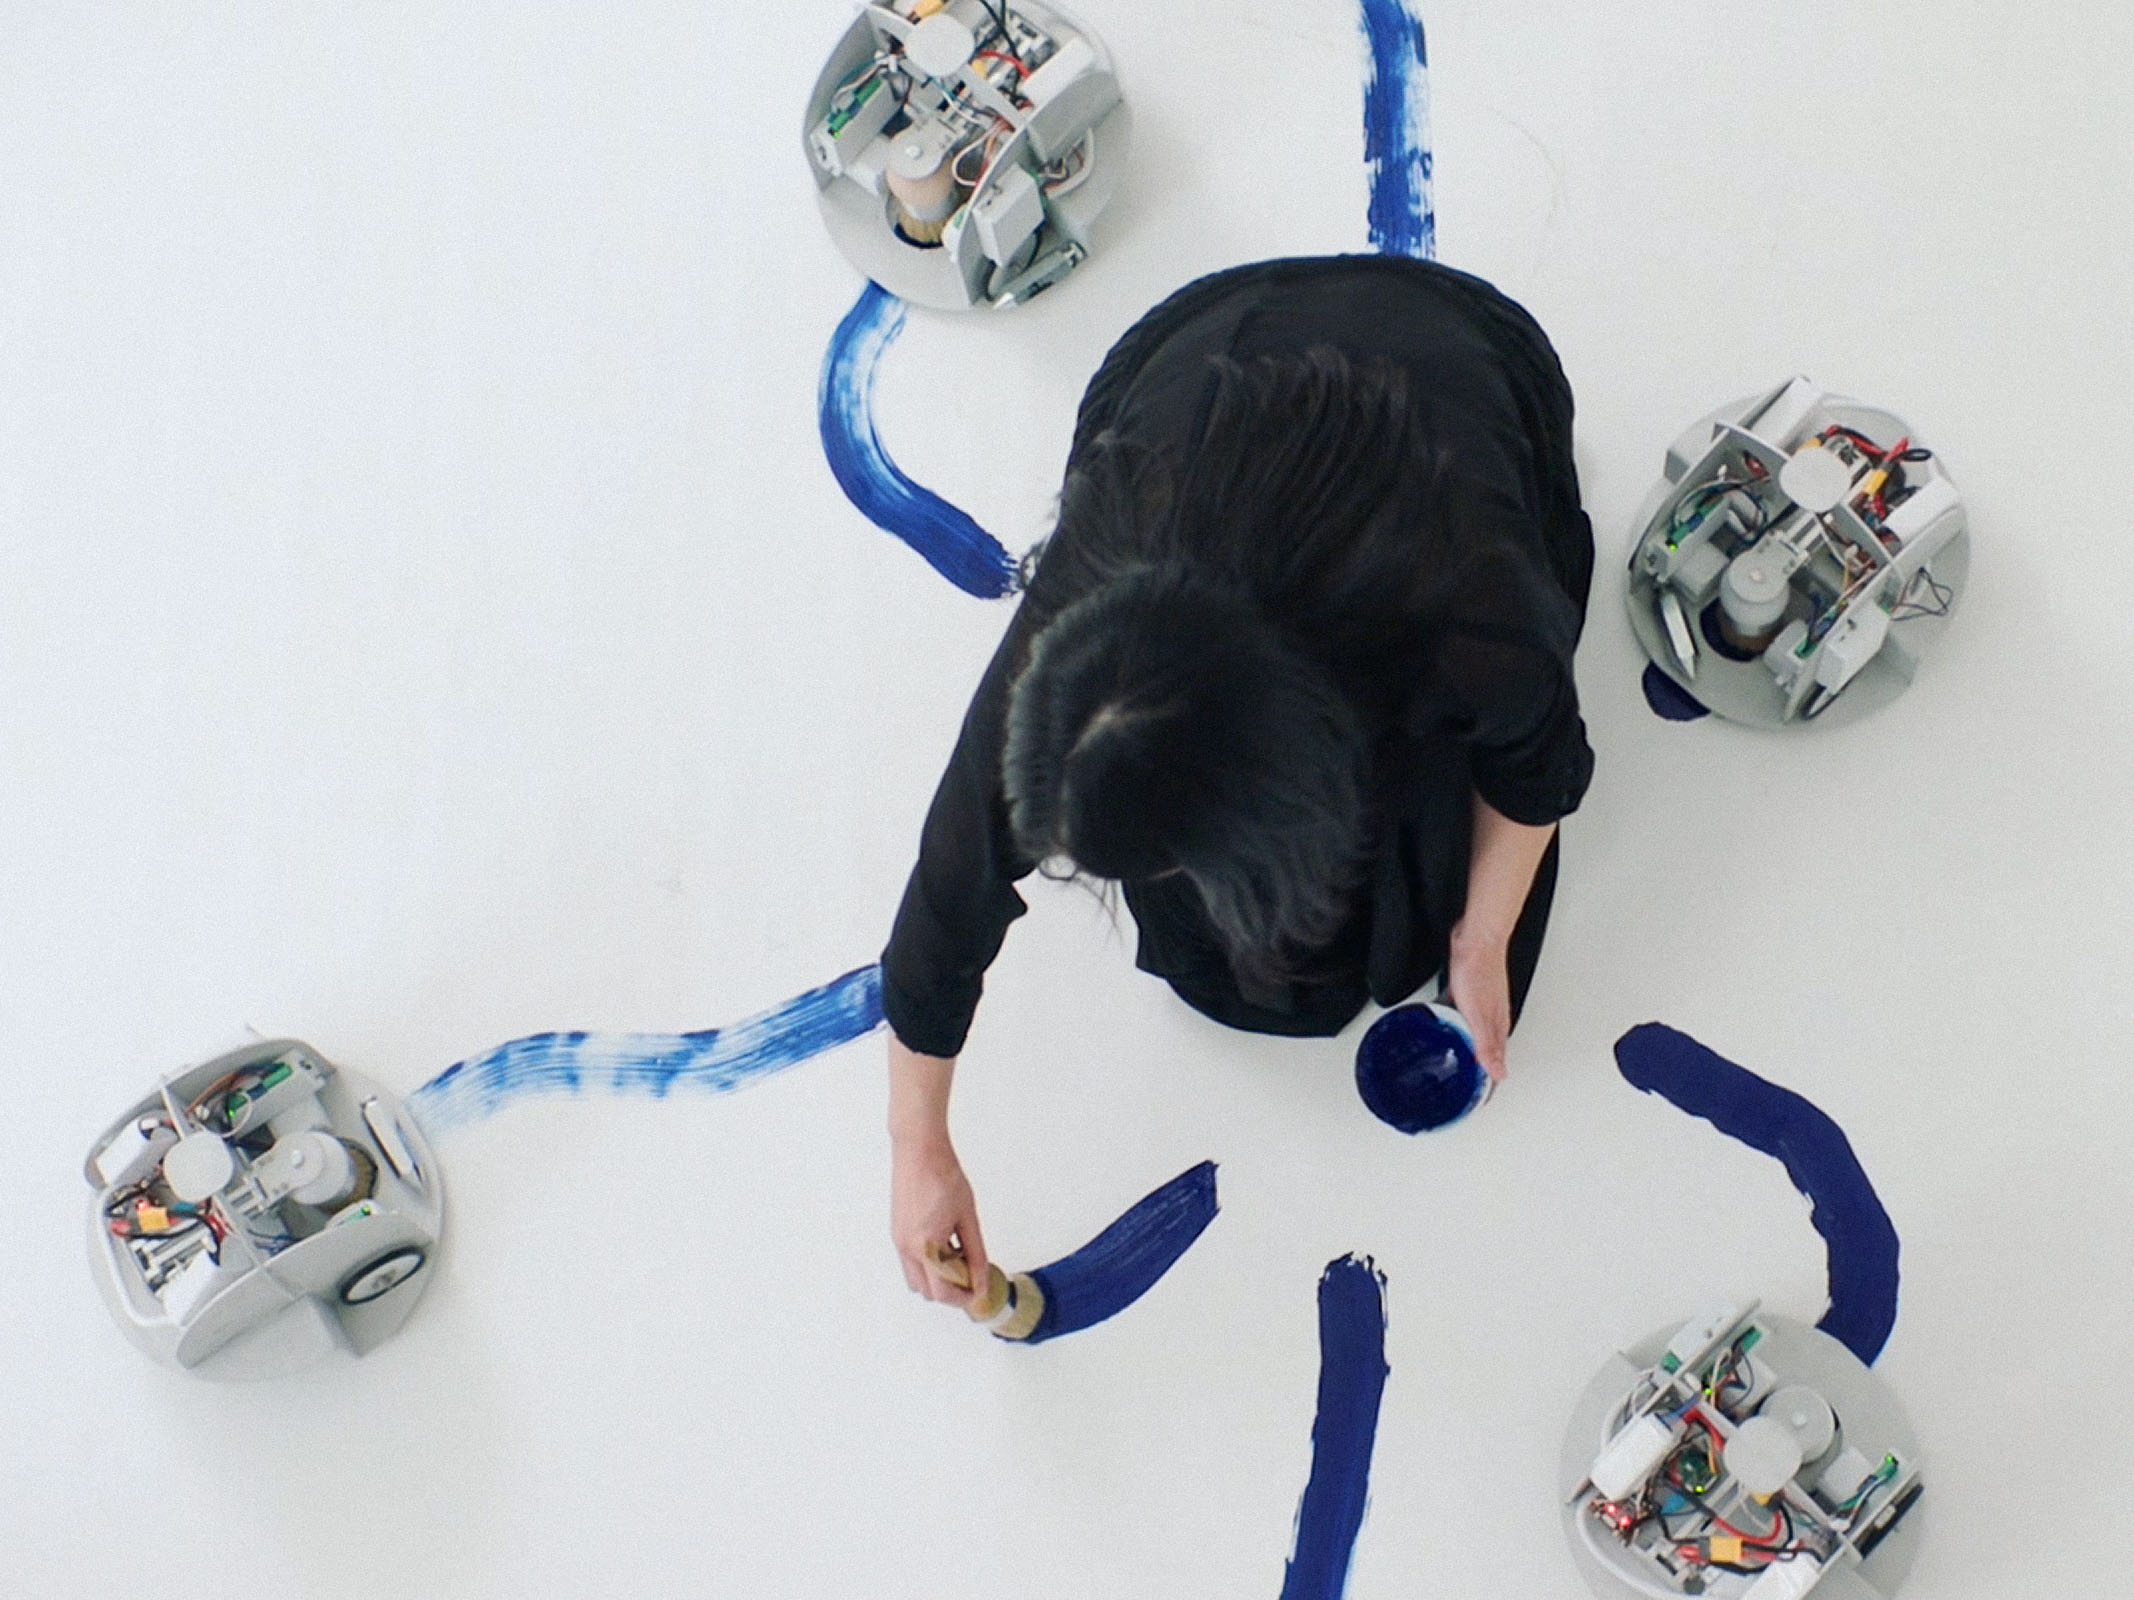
{"points": [[962, 149], [1799, 558], [262, 1209]]}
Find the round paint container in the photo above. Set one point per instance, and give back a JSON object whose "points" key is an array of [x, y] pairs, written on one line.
{"points": [[1416, 1068]]}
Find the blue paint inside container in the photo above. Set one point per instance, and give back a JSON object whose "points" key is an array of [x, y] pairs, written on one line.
{"points": [[1416, 1069]]}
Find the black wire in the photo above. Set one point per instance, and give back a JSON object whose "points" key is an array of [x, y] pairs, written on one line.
{"points": [[999, 14], [1785, 1513], [1693, 1510], [1818, 706], [1944, 598]]}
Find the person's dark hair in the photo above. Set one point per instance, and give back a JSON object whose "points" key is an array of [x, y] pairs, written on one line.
{"points": [[1284, 497], [1181, 707], [1162, 725]]}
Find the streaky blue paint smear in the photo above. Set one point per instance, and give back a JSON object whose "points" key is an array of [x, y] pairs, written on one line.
{"points": [[713, 1061], [1860, 1240], [1396, 131], [1352, 1380], [1122, 1263], [1669, 699], [961, 551]]}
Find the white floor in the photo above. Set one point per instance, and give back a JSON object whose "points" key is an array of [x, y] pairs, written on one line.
{"points": [[426, 619]]}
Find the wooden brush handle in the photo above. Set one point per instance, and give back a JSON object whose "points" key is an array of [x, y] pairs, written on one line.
{"points": [[986, 1304], [1010, 1307], [948, 1260]]}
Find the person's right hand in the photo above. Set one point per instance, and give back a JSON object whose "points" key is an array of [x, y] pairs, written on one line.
{"points": [[932, 1213]]}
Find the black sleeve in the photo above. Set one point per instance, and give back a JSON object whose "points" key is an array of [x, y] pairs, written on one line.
{"points": [[1507, 667], [1105, 398], [1528, 750], [960, 897]]}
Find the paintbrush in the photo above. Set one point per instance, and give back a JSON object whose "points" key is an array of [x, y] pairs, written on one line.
{"points": [[1009, 1307], [1101, 1279]]}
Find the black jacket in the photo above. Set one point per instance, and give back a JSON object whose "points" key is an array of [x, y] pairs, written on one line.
{"points": [[1483, 702]]}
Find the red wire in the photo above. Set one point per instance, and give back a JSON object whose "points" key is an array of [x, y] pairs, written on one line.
{"points": [[1895, 450], [1002, 55]]}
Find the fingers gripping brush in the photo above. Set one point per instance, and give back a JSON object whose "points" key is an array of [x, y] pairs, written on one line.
{"points": [[1101, 1279], [1009, 1308]]}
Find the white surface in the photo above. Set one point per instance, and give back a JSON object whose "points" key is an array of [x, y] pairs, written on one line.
{"points": [[427, 620]]}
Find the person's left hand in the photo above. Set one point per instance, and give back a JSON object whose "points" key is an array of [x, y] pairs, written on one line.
{"points": [[1478, 981]]}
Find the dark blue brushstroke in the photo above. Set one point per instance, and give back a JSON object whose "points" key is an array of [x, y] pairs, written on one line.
{"points": [[961, 551], [1417, 1072], [1396, 131], [1861, 1242], [1352, 1380], [1669, 699], [713, 1061], [1122, 1263]]}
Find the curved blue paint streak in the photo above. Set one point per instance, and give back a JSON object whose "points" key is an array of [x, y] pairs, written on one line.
{"points": [[712, 1061], [957, 548], [1396, 131], [1352, 1380], [1669, 699], [1860, 1239], [1122, 1263]]}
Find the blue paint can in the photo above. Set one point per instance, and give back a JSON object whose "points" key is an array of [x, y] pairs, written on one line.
{"points": [[1416, 1068]]}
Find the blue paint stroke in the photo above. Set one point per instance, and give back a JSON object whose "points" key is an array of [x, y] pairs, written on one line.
{"points": [[957, 548], [1396, 131], [1122, 1263], [713, 1061], [1669, 699], [1352, 1380], [1860, 1240]]}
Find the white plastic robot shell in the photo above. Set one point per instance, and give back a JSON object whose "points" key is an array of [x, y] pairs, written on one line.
{"points": [[261, 1211], [941, 45], [1799, 558], [1763, 1456], [1740, 1424], [197, 1167], [1815, 479], [960, 166]]}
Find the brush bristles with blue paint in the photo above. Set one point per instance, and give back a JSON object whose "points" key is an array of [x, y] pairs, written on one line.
{"points": [[1101, 1279]]}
